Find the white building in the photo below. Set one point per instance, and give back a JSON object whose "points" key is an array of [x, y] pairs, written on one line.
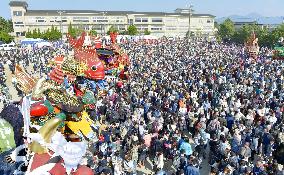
{"points": [[158, 23]]}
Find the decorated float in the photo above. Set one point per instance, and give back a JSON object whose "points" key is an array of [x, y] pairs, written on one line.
{"points": [[251, 46], [57, 127]]}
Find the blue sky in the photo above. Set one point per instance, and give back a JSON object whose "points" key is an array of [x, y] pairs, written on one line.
{"points": [[220, 8]]}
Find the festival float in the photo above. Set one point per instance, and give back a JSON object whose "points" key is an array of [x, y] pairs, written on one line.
{"points": [[56, 128], [251, 46]]}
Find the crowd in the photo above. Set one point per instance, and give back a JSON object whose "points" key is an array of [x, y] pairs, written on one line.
{"points": [[188, 106], [210, 94]]}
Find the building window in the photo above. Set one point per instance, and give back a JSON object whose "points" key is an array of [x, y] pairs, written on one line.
{"points": [[19, 26], [144, 19], [156, 28], [100, 20], [138, 20], [209, 21], [18, 23], [40, 20], [99, 17], [81, 19], [157, 20], [17, 13]]}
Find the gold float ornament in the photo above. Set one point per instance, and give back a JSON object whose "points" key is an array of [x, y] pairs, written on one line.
{"points": [[70, 65], [41, 86], [82, 67], [46, 132], [64, 101], [83, 126], [24, 80]]}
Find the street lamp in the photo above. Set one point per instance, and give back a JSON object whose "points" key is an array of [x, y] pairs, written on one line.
{"points": [[61, 30]]}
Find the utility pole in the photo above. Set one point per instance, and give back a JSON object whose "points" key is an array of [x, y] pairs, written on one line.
{"points": [[61, 30], [103, 23], [189, 19]]}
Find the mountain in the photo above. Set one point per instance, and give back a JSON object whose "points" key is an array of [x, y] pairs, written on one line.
{"points": [[253, 17]]}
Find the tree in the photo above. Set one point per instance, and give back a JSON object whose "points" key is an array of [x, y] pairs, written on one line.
{"points": [[276, 34], [6, 25], [54, 34], [5, 37], [75, 31], [34, 34], [71, 30], [147, 32], [132, 30], [39, 34], [93, 32], [242, 35], [29, 34], [125, 32], [226, 30], [112, 29], [46, 34]]}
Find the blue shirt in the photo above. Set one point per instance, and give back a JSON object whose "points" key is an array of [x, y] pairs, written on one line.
{"points": [[186, 147], [190, 170]]}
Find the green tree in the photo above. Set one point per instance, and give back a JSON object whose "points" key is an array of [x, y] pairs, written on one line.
{"points": [[132, 30], [93, 32], [10, 26], [6, 25], [242, 35], [46, 34], [147, 32], [264, 37], [226, 30], [28, 34], [71, 30], [34, 34], [39, 34], [112, 29], [5, 37], [54, 33], [276, 34]]}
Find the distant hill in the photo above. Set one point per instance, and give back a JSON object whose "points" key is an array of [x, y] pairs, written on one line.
{"points": [[253, 17]]}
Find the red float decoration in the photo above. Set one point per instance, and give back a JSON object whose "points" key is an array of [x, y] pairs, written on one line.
{"points": [[96, 69], [38, 109]]}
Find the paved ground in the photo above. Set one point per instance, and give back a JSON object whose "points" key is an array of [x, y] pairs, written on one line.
{"points": [[147, 170]]}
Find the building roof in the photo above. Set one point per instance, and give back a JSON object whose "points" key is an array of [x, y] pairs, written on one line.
{"points": [[18, 3], [95, 12]]}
